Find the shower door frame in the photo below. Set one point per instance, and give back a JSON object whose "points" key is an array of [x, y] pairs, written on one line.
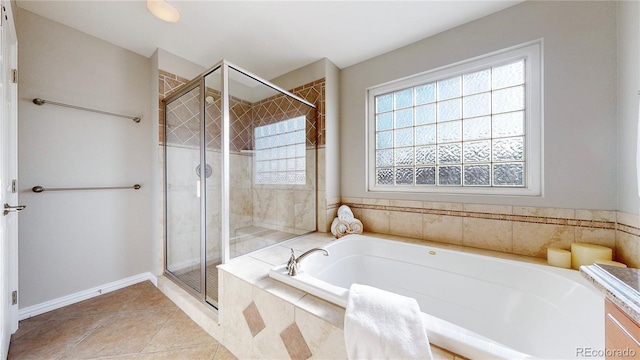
{"points": [[199, 81], [184, 89]]}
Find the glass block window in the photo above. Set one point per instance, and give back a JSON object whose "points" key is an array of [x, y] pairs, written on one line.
{"points": [[458, 129], [280, 152]]}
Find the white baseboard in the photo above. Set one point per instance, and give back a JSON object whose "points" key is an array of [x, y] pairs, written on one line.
{"points": [[84, 295]]}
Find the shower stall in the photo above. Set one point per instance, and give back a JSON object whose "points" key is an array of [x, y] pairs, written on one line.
{"points": [[240, 173]]}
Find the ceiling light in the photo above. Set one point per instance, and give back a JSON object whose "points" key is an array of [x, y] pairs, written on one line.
{"points": [[163, 10]]}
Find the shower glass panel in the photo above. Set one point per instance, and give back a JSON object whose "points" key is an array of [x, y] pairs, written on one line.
{"points": [[213, 180], [240, 162], [271, 166], [182, 158]]}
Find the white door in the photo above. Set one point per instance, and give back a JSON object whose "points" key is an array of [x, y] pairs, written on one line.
{"points": [[8, 178]]}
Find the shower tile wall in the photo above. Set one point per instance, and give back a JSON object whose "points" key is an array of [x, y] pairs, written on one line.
{"points": [[273, 205], [251, 205], [326, 207]]}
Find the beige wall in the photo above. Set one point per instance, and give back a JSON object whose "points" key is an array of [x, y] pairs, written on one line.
{"points": [[579, 98], [628, 98], [76, 240], [590, 134]]}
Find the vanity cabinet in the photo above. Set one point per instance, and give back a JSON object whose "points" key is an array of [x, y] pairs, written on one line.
{"points": [[622, 334]]}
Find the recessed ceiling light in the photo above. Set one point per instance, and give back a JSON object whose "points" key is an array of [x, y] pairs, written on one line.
{"points": [[163, 10]]}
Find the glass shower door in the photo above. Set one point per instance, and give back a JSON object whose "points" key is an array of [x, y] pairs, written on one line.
{"points": [[240, 169], [182, 189], [213, 181]]}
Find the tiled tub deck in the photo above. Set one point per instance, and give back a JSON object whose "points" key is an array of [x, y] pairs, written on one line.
{"points": [[263, 318]]}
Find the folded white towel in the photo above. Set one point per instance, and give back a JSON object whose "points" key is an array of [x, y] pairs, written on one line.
{"points": [[383, 325]]}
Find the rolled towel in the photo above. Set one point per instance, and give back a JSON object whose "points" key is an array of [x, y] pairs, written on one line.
{"points": [[345, 223], [340, 228], [345, 214], [383, 325], [356, 227]]}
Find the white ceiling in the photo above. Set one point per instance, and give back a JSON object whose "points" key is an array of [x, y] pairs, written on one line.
{"points": [[268, 38]]}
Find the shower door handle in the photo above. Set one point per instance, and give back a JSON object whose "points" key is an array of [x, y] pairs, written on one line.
{"points": [[8, 208]]}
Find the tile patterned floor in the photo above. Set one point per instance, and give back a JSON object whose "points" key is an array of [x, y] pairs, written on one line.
{"points": [[138, 322]]}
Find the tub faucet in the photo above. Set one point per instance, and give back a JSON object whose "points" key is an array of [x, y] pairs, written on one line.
{"points": [[293, 265]]}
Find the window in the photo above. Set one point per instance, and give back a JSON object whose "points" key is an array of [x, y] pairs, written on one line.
{"points": [[280, 152], [473, 127]]}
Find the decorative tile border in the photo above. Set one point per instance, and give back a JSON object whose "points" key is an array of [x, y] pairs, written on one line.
{"points": [[592, 224], [333, 206], [628, 229], [532, 229]]}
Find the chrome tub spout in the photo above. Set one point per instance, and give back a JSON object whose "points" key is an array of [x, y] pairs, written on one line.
{"points": [[293, 265]]}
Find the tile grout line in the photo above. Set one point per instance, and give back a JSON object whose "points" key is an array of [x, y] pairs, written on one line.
{"points": [[86, 334], [175, 311]]}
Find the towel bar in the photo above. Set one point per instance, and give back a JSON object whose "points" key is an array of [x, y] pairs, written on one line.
{"points": [[39, 101], [39, 189]]}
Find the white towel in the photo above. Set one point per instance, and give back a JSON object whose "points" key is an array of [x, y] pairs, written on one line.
{"points": [[345, 223], [383, 325], [345, 214]]}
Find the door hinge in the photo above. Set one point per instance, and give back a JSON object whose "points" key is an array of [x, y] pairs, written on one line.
{"points": [[14, 185], [14, 298], [14, 76]]}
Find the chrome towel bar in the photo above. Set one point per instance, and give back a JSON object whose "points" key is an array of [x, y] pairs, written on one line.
{"points": [[39, 189], [39, 101]]}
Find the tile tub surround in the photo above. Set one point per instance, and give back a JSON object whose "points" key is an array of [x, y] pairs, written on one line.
{"points": [[263, 318], [518, 230]]}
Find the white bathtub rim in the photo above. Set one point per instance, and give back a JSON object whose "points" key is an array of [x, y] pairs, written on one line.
{"points": [[440, 332], [453, 337]]}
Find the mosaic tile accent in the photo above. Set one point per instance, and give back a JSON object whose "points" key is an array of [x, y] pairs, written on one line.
{"points": [[294, 342], [254, 319]]}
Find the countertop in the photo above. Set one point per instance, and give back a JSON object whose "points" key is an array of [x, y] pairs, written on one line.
{"points": [[620, 285]]}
